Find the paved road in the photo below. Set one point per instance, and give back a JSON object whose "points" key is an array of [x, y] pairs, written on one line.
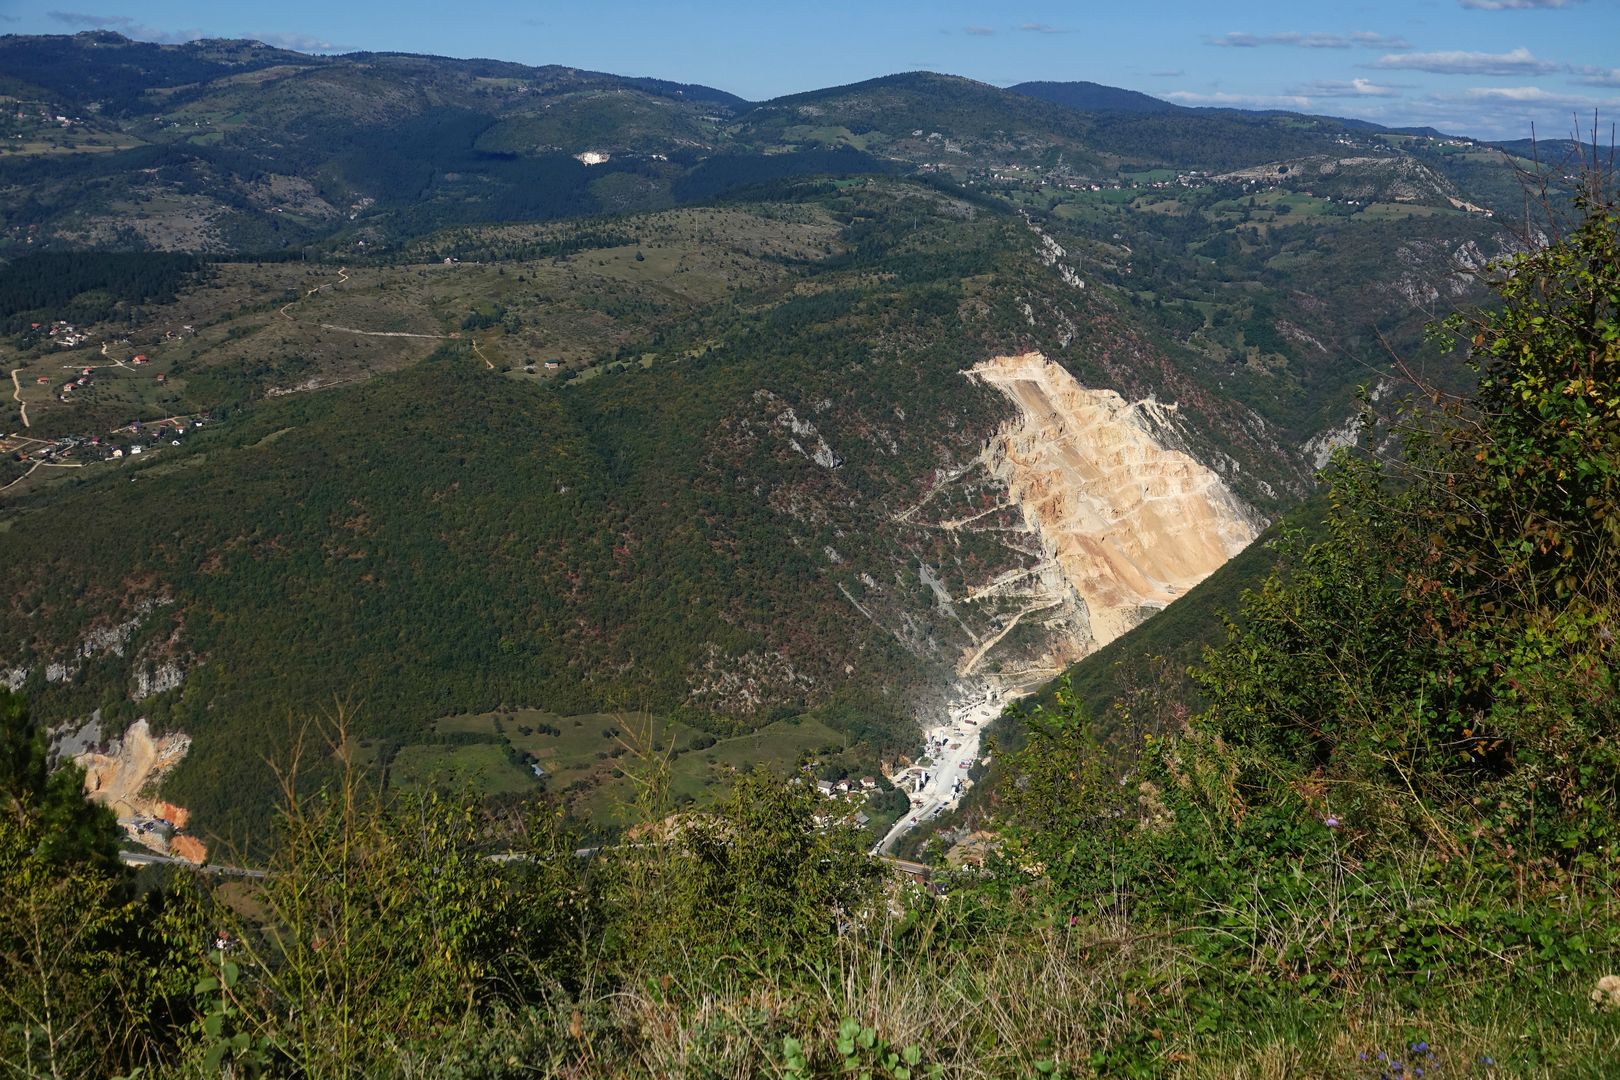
{"points": [[965, 728], [152, 858]]}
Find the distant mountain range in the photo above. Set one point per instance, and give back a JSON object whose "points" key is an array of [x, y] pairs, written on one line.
{"points": [[235, 145]]}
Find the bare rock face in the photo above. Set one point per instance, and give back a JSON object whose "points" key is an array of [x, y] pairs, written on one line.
{"points": [[125, 778], [1129, 520]]}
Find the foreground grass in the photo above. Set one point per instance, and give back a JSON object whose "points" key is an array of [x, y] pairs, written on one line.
{"points": [[1049, 1003]]}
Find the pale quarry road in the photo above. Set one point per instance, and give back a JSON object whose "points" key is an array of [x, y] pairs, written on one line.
{"points": [[965, 730]]}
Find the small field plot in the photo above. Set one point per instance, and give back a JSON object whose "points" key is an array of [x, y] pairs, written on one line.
{"points": [[700, 774], [582, 758], [481, 766], [591, 759], [1403, 211]]}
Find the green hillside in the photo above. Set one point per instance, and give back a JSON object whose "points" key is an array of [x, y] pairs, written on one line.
{"points": [[465, 537], [1379, 845], [536, 388]]}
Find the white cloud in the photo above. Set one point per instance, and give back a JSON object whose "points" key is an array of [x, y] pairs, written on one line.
{"points": [[1355, 88], [1597, 76], [1516, 5], [1519, 61], [1498, 112], [1042, 28], [97, 22], [1224, 100], [978, 31], [1533, 95], [1362, 38], [304, 43]]}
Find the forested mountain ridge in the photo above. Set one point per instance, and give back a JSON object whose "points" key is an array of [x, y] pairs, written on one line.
{"points": [[1093, 97], [234, 146]]}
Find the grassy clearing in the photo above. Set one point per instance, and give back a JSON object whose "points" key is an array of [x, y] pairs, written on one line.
{"points": [[700, 775], [1403, 211], [482, 766], [580, 755], [585, 756], [1042, 1003], [1052, 1002]]}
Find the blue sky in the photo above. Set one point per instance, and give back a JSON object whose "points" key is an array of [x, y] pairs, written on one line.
{"points": [[1479, 67]]}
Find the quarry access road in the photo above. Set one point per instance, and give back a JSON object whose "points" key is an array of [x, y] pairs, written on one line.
{"points": [[965, 728]]}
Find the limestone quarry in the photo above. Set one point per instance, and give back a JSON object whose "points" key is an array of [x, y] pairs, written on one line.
{"points": [[125, 776], [1110, 520], [1126, 519]]}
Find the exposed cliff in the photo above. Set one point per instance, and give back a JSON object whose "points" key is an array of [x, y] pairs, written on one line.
{"points": [[1128, 519]]}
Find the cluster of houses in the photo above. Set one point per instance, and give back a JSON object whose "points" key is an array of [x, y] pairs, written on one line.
{"points": [[83, 380], [68, 336], [831, 789], [849, 793], [144, 436], [62, 333], [129, 441], [43, 112]]}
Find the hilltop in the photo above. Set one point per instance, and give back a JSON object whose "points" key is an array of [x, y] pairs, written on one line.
{"points": [[235, 146]]}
